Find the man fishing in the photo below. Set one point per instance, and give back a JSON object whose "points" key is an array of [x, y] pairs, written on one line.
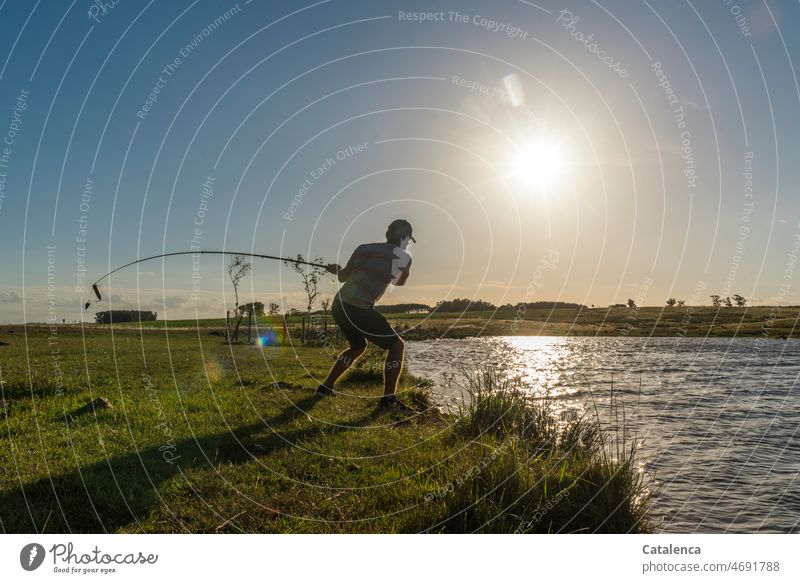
{"points": [[370, 270]]}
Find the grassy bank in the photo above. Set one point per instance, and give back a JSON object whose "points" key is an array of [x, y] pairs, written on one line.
{"points": [[759, 321], [205, 437]]}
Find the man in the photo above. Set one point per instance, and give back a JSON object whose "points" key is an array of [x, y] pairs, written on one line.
{"points": [[368, 273]]}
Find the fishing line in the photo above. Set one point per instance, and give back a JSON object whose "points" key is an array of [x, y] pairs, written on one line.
{"points": [[96, 289]]}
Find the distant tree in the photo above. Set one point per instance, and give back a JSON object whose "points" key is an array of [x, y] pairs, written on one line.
{"points": [[550, 305], [237, 269], [631, 304], [253, 308], [463, 305], [716, 301], [740, 301], [671, 302], [273, 309], [728, 303], [680, 303]]}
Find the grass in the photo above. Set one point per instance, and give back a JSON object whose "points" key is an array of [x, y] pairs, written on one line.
{"points": [[207, 437], [544, 474], [756, 321]]}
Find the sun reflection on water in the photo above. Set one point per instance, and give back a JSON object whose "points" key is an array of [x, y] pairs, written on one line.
{"points": [[679, 399]]}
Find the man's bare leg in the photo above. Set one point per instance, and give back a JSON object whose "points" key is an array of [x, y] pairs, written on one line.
{"points": [[393, 367], [343, 362]]}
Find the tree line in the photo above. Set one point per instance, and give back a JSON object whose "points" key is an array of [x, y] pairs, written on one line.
{"points": [[117, 316], [717, 301]]}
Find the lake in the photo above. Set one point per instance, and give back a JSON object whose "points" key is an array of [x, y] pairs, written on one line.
{"points": [[717, 419]]}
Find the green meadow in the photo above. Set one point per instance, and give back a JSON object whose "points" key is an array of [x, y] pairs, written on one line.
{"points": [[170, 430], [763, 321]]}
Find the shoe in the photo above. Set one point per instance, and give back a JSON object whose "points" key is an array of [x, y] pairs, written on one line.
{"points": [[391, 401], [324, 391]]}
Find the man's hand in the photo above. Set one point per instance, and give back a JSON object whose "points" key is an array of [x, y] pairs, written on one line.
{"points": [[333, 268], [401, 266]]}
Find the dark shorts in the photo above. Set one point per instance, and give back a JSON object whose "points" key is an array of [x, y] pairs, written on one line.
{"points": [[362, 324]]}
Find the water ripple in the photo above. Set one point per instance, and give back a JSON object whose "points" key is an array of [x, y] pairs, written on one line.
{"points": [[719, 417]]}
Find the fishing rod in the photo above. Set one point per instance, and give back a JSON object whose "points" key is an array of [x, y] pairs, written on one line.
{"points": [[96, 289]]}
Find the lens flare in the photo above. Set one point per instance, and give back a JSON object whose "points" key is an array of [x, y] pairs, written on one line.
{"points": [[214, 370], [268, 338]]}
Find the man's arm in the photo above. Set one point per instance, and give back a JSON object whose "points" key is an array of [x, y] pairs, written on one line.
{"points": [[342, 272], [404, 271]]}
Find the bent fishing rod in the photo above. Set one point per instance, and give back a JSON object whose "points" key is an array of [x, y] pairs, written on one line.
{"points": [[96, 289]]}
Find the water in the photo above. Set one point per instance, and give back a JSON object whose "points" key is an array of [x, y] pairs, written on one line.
{"points": [[718, 418]]}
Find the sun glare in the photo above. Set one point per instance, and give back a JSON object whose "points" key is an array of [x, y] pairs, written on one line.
{"points": [[538, 163]]}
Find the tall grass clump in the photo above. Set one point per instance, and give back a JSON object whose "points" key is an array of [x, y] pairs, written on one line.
{"points": [[500, 408], [541, 473]]}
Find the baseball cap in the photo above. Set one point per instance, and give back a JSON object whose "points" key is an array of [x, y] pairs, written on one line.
{"points": [[401, 226]]}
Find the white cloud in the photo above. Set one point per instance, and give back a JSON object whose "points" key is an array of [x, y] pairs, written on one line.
{"points": [[172, 302], [10, 297]]}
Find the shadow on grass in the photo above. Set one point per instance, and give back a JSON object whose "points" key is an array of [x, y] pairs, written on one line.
{"points": [[120, 491]]}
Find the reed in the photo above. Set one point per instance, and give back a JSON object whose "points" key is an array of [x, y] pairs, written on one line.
{"points": [[542, 473]]}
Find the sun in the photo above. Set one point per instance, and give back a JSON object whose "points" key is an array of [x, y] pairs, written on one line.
{"points": [[538, 163]]}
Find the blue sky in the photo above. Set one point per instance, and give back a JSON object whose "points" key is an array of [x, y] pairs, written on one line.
{"points": [[383, 116]]}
